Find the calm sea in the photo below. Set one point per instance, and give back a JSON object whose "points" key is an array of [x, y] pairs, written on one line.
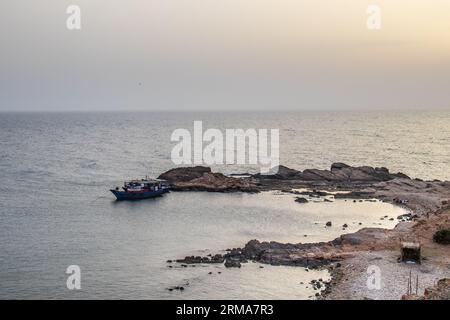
{"points": [[56, 210]]}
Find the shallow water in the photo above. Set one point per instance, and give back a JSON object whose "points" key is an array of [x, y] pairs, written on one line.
{"points": [[56, 211]]}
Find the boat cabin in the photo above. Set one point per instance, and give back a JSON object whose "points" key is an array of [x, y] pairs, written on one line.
{"points": [[144, 185]]}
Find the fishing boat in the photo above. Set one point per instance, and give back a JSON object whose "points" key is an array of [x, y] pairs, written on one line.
{"points": [[141, 189]]}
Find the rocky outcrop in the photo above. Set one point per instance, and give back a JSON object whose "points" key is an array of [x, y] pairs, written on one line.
{"points": [[340, 175], [202, 179], [184, 173], [423, 197], [232, 263], [339, 172], [216, 182], [439, 292], [218, 258], [282, 173], [310, 255]]}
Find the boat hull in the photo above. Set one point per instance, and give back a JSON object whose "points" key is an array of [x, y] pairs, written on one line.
{"points": [[123, 195]]}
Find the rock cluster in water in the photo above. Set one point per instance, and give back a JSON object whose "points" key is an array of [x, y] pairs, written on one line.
{"points": [[339, 172], [201, 178]]}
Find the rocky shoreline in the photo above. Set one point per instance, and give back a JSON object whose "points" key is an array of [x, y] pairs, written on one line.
{"points": [[343, 181], [429, 202], [340, 176]]}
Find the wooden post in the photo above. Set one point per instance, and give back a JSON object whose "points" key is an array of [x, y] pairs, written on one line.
{"points": [[417, 284]]}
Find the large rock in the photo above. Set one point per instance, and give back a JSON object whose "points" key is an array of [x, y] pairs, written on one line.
{"points": [[254, 248], [338, 166], [441, 291], [338, 173], [216, 182], [301, 200], [232, 263], [202, 179], [184, 173], [319, 175], [280, 173]]}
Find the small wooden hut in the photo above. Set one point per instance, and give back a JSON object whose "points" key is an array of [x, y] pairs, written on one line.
{"points": [[410, 252]]}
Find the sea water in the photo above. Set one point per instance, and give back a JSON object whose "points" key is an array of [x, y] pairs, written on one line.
{"points": [[56, 210]]}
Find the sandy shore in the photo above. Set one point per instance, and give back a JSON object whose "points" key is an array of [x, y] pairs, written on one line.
{"points": [[350, 281]]}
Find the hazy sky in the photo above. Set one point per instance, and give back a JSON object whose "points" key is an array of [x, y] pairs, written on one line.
{"points": [[224, 55]]}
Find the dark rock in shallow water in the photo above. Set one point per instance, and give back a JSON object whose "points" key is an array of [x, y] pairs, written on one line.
{"points": [[218, 258], [301, 200], [180, 288], [190, 259], [232, 263], [320, 193], [314, 193], [197, 259], [253, 249]]}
